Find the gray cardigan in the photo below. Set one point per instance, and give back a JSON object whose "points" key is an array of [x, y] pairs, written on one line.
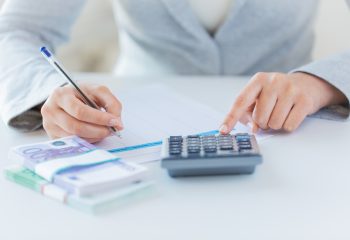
{"points": [[163, 37]]}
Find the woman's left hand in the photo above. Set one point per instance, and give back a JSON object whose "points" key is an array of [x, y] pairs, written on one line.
{"points": [[280, 101]]}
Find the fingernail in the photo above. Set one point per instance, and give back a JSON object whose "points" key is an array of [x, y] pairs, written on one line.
{"points": [[113, 122], [223, 129], [116, 122]]}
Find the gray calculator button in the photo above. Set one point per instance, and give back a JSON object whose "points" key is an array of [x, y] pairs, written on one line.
{"points": [[243, 140], [193, 137], [193, 140], [175, 147], [175, 139], [242, 135], [209, 141], [193, 151], [209, 146], [193, 148], [210, 150], [175, 152], [226, 147], [244, 144], [175, 143], [245, 147], [193, 144], [209, 138]]}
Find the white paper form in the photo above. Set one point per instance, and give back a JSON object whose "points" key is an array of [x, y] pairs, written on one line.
{"points": [[155, 112]]}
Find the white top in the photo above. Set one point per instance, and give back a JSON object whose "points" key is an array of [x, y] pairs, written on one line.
{"points": [[211, 14]]}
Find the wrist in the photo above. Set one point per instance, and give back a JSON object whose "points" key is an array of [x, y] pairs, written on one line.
{"points": [[326, 94]]}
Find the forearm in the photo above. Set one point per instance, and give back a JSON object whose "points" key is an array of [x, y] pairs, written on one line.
{"points": [[25, 78], [335, 71]]}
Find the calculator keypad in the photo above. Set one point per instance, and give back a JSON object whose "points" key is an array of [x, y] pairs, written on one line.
{"points": [[209, 145], [198, 155]]}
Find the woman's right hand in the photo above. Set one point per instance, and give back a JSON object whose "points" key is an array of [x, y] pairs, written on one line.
{"points": [[65, 114]]}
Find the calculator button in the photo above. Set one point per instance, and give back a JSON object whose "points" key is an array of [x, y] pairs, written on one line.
{"points": [[175, 139], [242, 134], [193, 147], [193, 140], [225, 142], [209, 146], [209, 138], [225, 138], [193, 151], [245, 147], [175, 147], [241, 151], [210, 149], [175, 152], [244, 144], [193, 137], [175, 143], [242, 137], [208, 143], [226, 147]]}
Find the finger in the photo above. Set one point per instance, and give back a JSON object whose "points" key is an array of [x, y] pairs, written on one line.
{"points": [[254, 127], [54, 131], [280, 112], [247, 119], [79, 110], [264, 106], [79, 128], [61, 133], [106, 99], [245, 99], [247, 116], [295, 117]]}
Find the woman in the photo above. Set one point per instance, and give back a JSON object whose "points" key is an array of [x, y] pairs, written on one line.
{"points": [[271, 39]]}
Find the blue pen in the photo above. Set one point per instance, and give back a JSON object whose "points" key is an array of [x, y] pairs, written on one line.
{"points": [[52, 60]]}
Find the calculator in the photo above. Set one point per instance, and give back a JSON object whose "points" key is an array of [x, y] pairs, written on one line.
{"points": [[198, 155]]}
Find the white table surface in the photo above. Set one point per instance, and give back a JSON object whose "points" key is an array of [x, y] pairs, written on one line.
{"points": [[301, 191]]}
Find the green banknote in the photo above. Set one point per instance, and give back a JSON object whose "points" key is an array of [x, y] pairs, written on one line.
{"points": [[92, 204]]}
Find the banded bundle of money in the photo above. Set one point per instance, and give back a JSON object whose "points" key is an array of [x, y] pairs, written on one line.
{"points": [[77, 173]]}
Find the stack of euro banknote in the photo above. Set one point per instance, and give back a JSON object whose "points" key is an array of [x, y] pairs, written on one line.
{"points": [[78, 174]]}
